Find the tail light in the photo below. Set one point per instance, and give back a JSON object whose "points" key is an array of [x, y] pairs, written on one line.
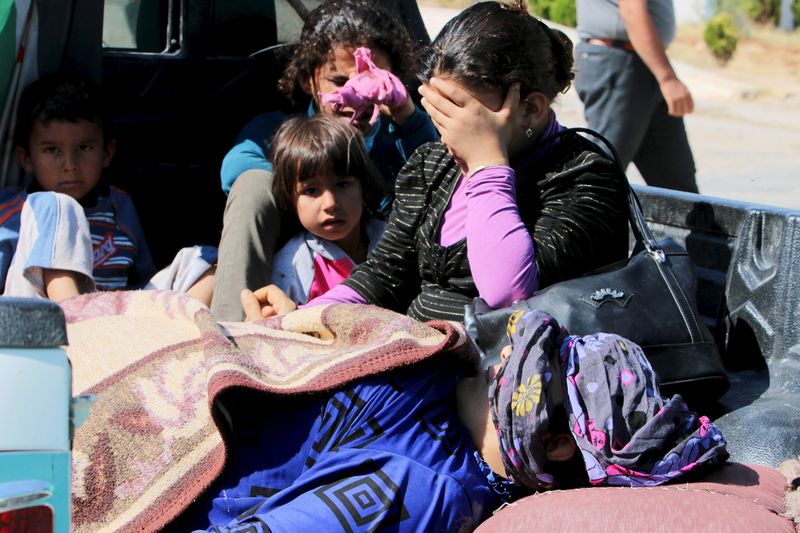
{"points": [[37, 519], [22, 508]]}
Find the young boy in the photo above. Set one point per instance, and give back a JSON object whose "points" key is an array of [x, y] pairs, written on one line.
{"points": [[68, 232]]}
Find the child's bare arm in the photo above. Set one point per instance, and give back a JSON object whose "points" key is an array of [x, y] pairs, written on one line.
{"points": [[61, 284]]}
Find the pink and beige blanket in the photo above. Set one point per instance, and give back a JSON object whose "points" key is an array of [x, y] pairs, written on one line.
{"points": [[156, 361]]}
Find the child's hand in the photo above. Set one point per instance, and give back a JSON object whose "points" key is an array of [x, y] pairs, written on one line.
{"points": [[265, 302], [372, 87], [476, 135]]}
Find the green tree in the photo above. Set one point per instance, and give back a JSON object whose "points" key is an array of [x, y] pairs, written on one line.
{"points": [[563, 12], [721, 36], [761, 10], [559, 11], [540, 8]]}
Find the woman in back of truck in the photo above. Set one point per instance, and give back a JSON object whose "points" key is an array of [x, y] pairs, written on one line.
{"points": [[506, 203]]}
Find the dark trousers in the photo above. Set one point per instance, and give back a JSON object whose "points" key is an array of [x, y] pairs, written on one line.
{"points": [[622, 101]]}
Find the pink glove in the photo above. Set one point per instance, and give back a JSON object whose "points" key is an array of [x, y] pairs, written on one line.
{"points": [[370, 86]]}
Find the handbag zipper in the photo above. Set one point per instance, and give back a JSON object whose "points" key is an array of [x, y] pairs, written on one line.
{"points": [[678, 296]]}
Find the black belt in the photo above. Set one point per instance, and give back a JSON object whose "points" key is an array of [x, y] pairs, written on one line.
{"points": [[613, 43]]}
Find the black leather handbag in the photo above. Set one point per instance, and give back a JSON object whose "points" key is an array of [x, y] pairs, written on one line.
{"points": [[648, 299]]}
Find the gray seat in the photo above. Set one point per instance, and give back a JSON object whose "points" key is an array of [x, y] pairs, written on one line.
{"points": [[31, 323]]}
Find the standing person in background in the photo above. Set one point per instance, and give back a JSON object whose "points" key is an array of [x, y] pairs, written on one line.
{"points": [[629, 88]]}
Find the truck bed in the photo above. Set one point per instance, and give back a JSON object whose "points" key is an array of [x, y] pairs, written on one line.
{"points": [[747, 258]]}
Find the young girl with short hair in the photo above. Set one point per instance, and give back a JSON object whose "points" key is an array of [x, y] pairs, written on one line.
{"points": [[323, 62], [325, 176]]}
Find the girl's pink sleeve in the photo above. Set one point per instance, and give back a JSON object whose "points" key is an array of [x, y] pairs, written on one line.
{"points": [[340, 294], [499, 248]]}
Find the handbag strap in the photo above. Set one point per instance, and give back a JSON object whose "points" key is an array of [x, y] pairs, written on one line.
{"points": [[638, 223]]}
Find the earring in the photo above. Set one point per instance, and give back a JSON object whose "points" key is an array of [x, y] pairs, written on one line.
{"points": [[529, 132]]}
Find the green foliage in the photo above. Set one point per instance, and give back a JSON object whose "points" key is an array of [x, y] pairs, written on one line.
{"points": [[721, 37], [540, 8], [761, 10], [563, 12], [559, 11]]}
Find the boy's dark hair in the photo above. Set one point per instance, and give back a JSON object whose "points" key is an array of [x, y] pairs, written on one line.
{"points": [[494, 45], [351, 22], [63, 97], [306, 146]]}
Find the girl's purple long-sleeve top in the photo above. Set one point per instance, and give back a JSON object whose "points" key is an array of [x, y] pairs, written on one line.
{"points": [[499, 247], [500, 250]]}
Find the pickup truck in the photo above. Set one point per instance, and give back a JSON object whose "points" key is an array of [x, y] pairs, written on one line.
{"points": [[38, 417], [186, 75]]}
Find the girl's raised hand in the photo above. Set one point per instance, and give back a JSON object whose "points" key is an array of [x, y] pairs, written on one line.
{"points": [[476, 135], [370, 85]]}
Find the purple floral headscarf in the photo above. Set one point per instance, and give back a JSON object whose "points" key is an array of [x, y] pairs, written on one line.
{"points": [[626, 433], [524, 394]]}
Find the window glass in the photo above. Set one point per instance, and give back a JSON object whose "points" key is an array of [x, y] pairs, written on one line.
{"points": [[289, 22], [237, 27], [137, 25]]}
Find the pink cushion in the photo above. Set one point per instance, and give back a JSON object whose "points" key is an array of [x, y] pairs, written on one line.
{"points": [[736, 497]]}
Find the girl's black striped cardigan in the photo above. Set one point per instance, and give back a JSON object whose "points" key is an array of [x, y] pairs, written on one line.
{"points": [[573, 201]]}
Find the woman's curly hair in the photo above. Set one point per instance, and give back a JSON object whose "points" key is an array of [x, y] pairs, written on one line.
{"points": [[347, 22]]}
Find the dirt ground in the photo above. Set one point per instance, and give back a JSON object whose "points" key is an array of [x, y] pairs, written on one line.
{"points": [[765, 57]]}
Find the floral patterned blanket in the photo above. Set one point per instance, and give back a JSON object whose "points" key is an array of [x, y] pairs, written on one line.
{"points": [[156, 360]]}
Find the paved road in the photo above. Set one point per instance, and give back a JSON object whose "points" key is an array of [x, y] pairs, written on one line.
{"points": [[746, 146]]}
